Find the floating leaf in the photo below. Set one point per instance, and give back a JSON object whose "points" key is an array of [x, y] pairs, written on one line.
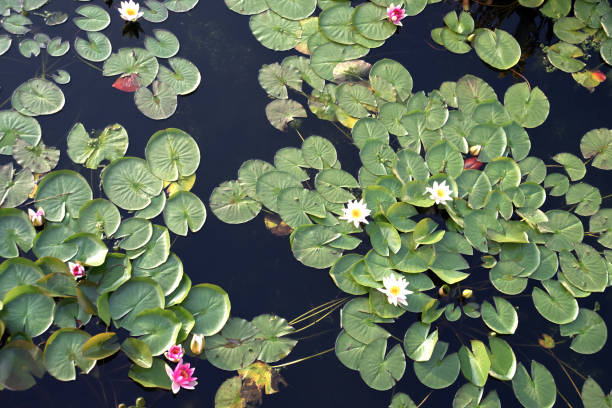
{"points": [[184, 77], [39, 158], [164, 45], [63, 353], [230, 203], [132, 61], [589, 332], [309, 246], [96, 48], [502, 318], [172, 153], [274, 31], [558, 305], [537, 391], [153, 376], [155, 12], [235, 347], [184, 211], [129, 184], [180, 6], [160, 103], [94, 18], [597, 144], [439, 371], [380, 371], [528, 107], [37, 97], [133, 297], [281, 113]]}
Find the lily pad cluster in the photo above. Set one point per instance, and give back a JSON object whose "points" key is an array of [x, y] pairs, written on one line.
{"points": [[323, 28], [496, 47], [495, 223]]}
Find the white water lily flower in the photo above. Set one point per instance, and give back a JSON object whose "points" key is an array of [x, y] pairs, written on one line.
{"points": [[440, 193], [130, 11], [395, 289], [356, 212]]}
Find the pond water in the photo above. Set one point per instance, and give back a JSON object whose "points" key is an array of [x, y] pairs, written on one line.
{"points": [[226, 117]]}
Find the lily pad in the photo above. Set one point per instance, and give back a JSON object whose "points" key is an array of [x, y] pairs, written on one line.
{"points": [[274, 31], [172, 153], [129, 184], [61, 192], [63, 353], [94, 18], [235, 347], [164, 45], [537, 391], [183, 77], [184, 211], [502, 318], [282, 112], [39, 159], [497, 48], [37, 97], [157, 328], [136, 61], [158, 103], [381, 370], [133, 297], [293, 9], [556, 304], [440, 370], [96, 48], [589, 332]]}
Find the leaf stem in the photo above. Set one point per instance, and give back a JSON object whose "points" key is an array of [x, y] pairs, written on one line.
{"points": [[299, 360]]}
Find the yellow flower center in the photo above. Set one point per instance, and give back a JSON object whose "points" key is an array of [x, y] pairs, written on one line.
{"points": [[395, 290], [440, 192], [130, 12], [356, 213]]}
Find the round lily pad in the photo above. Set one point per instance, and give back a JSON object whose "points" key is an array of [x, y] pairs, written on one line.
{"points": [[371, 21], [528, 107], [96, 48], [128, 61], [309, 246], [28, 310], [380, 371], [94, 18], [38, 97], [589, 332], [293, 9], [14, 125], [164, 45], [155, 12], [129, 184], [282, 112], [230, 203], [172, 153], [183, 78], [502, 318], [537, 390], [556, 304], [274, 31], [440, 370], [184, 211], [210, 306], [497, 48], [158, 103], [337, 23], [99, 216], [180, 6], [236, 347], [133, 297], [61, 192], [63, 353]]}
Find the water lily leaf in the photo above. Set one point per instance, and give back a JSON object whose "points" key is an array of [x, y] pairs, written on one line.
{"points": [[184, 211], [349, 350], [401, 400], [586, 196], [274, 31], [29, 48], [563, 56], [129, 184], [559, 183], [497, 48], [5, 43], [605, 50], [154, 376], [18, 271], [136, 61], [172, 153], [360, 323], [155, 12], [337, 23], [210, 306], [39, 158], [164, 45], [558, 305], [272, 330], [63, 353], [451, 40], [294, 205], [472, 91], [155, 252], [597, 144], [169, 274], [325, 57], [133, 297], [503, 360], [183, 77], [57, 47], [331, 184], [180, 6], [566, 230], [371, 21], [589, 332], [343, 274], [94, 18], [419, 344], [281, 113], [537, 391], [528, 107], [61, 77], [134, 233], [16, 24], [160, 103], [502, 318], [367, 129], [15, 126], [573, 165], [154, 209], [588, 272], [51, 242], [593, 396], [101, 346], [230, 203], [309, 244], [507, 277], [37, 97], [394, 73], [157, 328], [235, 347], [247, 7], [96, 48], [292, 9], [443, 157], [380, 371], [568, 30], [475, 364], [101, 216], [115, 271], [15, 190], [440, 370], [91, 249], [28, 310], [17, 231], [138, 352], [20, 362], [111, 144], [229, 393]]}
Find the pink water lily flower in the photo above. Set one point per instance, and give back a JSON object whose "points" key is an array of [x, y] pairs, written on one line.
{"points": [[395, 14], [76, 269], [37, 218], [174, 353], [181, 376]]}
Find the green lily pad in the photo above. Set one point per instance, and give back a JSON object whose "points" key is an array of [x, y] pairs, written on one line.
{"points": [[184, 211], [502, 318], [371, 21], [155, 12], [18, 271], [21, 362], [94, 18], [381, 370], [164, 45], [172, 153], [528, 107], [235, 347], [15, 126], [133, 297], [210, 306], [63, 353], [419, 344], [99, 215], [180, 6], [37, 97], [157, 328], [309, 244], [101, 346], [589, 332], [128, 61], [537, 391], [111, 144], [91, 250], [274, 31], [50, 242], [563, 56], [57, 47], [475, 364], [441, 370], [292, 9], [138, 352], [96, 48], [16, 24], [129, 184], [272, 330], [282, 112], [29, 48], [134, 233], [183, 77], [503, 360], [28, 310], [158, 103], [556, 304], [247, 7], [597, 144], [230, 203], [15, 190], [5, 43], [566, 230], [593, 396], [154, 376]]}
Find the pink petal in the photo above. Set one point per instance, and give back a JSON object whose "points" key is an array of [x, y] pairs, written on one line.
{"points": [[175, 387]]}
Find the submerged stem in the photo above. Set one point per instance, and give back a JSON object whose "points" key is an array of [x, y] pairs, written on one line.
{"points": [[299, 134], [331, 310], [299, 360], [311, 313], [424, 399]]}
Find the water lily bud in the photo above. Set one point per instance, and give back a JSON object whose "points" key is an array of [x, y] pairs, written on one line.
{"points": [[475, 150], [444, 290], [471, 37], [197, 344], [37, 217], [466, 293]]}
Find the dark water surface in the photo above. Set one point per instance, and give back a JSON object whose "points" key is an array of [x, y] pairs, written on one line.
{"points": [[226, 117]]}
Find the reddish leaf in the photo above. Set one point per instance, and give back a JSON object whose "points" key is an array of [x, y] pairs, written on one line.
{"points": [[128, 83], [472, 163], [598, 76]]}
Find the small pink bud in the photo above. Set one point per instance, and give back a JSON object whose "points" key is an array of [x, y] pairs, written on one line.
{"points": [[174, 353], [76, 269], [395, 14], [37, 217]]}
